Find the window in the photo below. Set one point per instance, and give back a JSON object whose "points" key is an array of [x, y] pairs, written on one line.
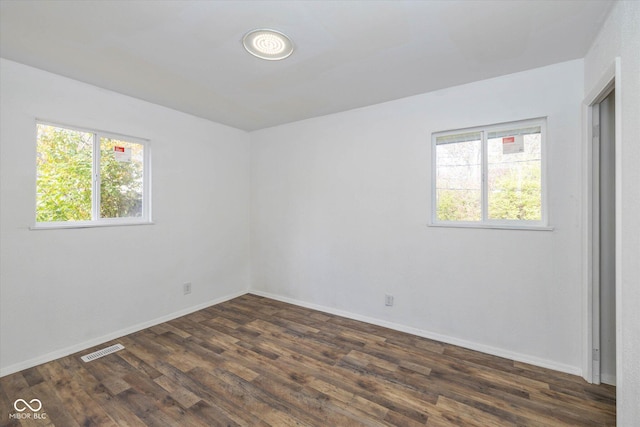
{"points": [[490, 176], [89, 178]]}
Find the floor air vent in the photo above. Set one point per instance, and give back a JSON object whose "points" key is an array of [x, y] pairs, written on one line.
{"points": [[98, 354]]}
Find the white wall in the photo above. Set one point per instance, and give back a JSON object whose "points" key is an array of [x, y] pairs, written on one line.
{"points": [[62, 290], [340, 205], [620, 37]]}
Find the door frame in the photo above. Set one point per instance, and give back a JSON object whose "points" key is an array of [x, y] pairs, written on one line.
{"points": [[610, 81]]}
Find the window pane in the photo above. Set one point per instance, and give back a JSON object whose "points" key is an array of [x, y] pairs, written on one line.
{"points": [[514, 175], [64, 163], [121, 178], [458, 178]]}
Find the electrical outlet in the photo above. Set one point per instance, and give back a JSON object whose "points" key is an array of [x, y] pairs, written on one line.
{"points": [[186, 288], [388, 300]]}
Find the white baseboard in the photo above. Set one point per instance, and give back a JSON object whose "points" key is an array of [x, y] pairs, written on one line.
{"points": [[111, 336], [544, 363], [519, 357]]}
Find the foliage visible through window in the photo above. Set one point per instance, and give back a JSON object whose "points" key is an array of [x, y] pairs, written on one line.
{"points": [[459, 177], [69, 190], [120, 181], [490, 175]]}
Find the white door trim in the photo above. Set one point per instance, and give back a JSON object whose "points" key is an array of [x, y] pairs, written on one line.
{"points": [[610, 81]]}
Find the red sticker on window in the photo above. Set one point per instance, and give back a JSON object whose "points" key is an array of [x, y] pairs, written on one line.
{"points": [[118, 149], [509, 140]]}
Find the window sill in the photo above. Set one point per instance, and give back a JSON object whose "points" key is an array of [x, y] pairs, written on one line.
{"points": [[493, 226], [59, 226]]}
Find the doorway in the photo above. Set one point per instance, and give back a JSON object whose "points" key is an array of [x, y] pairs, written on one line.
{"points": [[604, 239]]}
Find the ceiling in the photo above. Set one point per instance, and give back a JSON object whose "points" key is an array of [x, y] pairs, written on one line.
{"points": [[188, 55]]}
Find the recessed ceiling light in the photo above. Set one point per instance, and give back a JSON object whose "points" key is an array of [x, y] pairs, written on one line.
{"points": [[267, 44]]}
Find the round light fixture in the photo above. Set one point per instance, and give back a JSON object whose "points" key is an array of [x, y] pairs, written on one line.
{"points": [[267, 44]]}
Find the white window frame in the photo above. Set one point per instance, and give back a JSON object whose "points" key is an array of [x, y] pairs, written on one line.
{"points": [[485, 222], [96, 221]]}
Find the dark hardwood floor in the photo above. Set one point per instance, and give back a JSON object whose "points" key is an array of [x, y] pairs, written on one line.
{"points": [[259, 362]]}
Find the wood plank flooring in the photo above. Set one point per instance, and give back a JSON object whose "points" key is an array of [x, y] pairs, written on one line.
{"points": [[253, 361]]}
